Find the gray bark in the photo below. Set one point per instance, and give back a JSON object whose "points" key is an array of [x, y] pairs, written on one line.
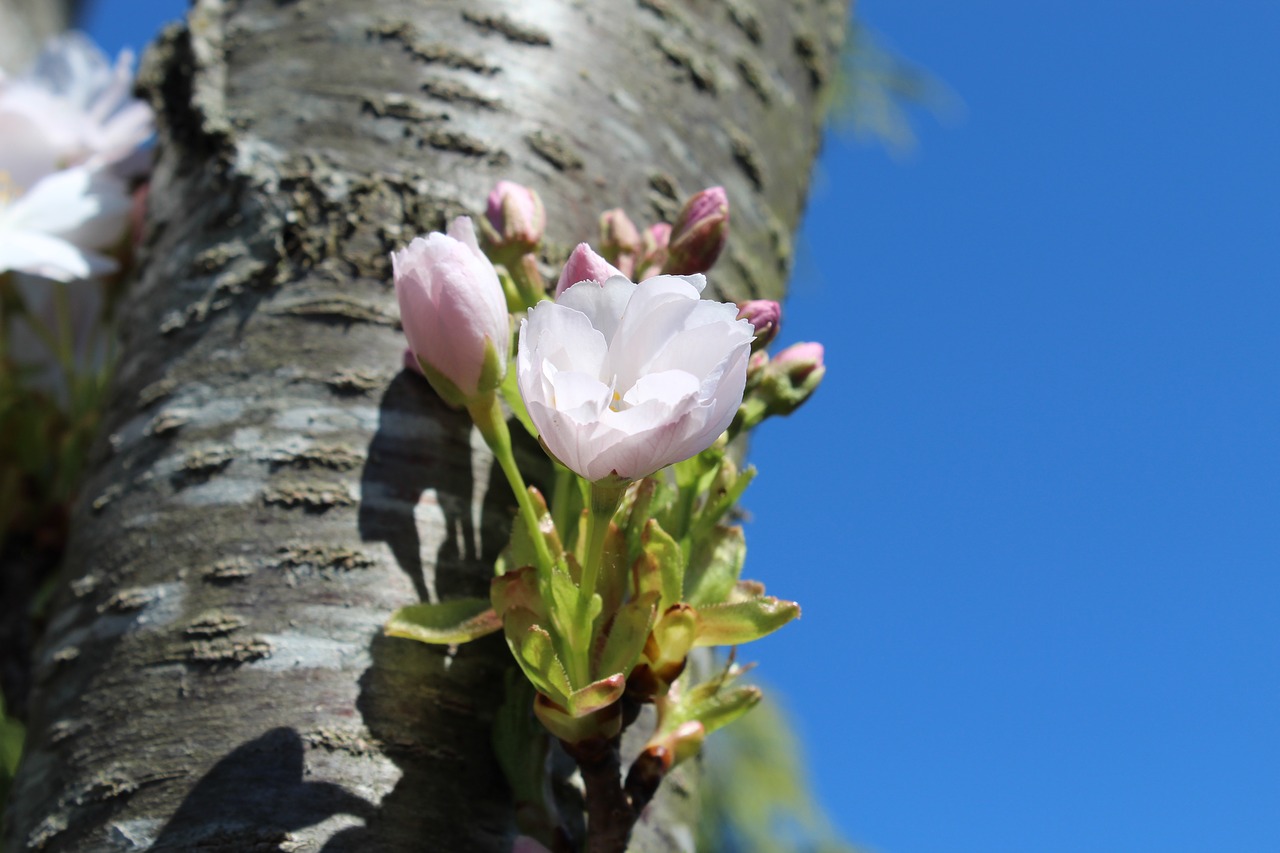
{"points": [[214, 675], [26, 24]]}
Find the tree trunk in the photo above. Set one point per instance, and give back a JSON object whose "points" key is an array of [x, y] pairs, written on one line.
{"points": [[214, 676], [26, 24]]}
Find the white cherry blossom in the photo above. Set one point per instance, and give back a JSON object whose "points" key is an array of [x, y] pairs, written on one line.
{"points": [[623, 379], [71, 108], [55, 228]]}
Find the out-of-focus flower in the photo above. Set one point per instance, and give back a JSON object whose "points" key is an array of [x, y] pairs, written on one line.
{"points": [[700, 233], [584, 265], [624, 379], [453, 312], [71, 108], [54, 228]]}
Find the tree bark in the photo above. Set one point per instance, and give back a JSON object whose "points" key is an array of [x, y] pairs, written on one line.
{"points": [[273, 484]]}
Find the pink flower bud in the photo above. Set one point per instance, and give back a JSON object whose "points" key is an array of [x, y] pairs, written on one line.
{"points": [[584, 265], [766, 316], [653, 250], [453, 312], [800, 360], [619, 240], [700, 233], [517, 215]]}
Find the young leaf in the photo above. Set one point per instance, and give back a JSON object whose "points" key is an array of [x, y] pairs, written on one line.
{"points": [[718, 707], [447, 623], [517, 588], [626, 635], [734, 624], [670, 560], [603, 724], [534, 650], [714, 565], [597, 695]]}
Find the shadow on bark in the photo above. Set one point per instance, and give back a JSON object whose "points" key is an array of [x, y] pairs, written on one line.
{"points": [[430, 708], [431, 712], [261, 797], [399, 468]]}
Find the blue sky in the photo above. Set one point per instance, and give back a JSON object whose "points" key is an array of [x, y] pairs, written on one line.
{"points": [[1032, 513]]}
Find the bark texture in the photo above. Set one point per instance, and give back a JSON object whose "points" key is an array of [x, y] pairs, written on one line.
{"points": [[274, 485]]}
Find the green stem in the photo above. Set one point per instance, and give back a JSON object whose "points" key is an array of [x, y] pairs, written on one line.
{"points": [[487, 414], [605, 497], [528, 279], [562, 504]]}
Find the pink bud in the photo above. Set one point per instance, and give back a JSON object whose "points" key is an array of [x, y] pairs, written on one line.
{"points": [[801, 359], [619, 239], [765, 315], [700, 233], [653, 250], [584, 265], [453, 310], [517, 215]]}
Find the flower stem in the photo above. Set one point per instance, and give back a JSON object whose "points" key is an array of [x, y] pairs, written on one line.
{"points": [[487, 415]]}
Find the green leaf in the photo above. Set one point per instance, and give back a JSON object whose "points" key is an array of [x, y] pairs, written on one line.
{"points": [[626, 634], [670, 561], [571, 729], [612, 581], [561, 595], [714, 566], [449, 622], [535, 652], [674, 634], [520, 550], [517, 588], [734, 624], [720, 502], [718, 706]]}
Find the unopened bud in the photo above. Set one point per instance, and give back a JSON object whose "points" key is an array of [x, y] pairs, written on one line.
{"points": [[700, 233], [584, 265], [766, 316], [619, 240], [517, 216], [653, 250], [792, 376]]}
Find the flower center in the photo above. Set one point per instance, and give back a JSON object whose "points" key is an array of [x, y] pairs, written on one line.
{"points": [[8, 189]]}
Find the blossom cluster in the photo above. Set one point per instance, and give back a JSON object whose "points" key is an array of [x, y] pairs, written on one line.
{"points": [[71, 137], [637, 386]]}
